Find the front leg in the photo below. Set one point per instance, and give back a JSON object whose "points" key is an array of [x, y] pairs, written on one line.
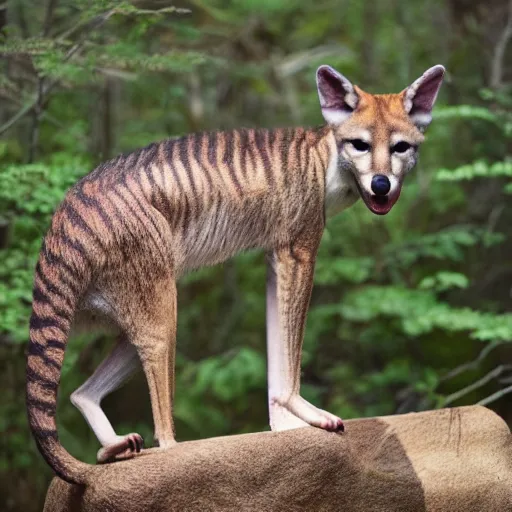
{"points": [[289, 285]]}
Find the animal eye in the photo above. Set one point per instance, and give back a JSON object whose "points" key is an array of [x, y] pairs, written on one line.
{"points": [[400, 147], [360, 145]]}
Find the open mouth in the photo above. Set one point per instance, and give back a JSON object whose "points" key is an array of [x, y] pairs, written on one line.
{"points": [[380, 205]]}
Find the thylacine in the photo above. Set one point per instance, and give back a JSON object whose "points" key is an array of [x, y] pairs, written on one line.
{"points": [[126, 232]]}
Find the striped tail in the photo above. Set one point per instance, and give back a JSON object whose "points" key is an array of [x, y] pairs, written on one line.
{"points": [[62, 275]]}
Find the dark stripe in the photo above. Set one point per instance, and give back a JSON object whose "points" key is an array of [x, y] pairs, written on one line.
{"points": [[132, 160], [146, 216], [125, 219], [44, 434], [149, 217], [49, 408], [56, 260], [54, 343], [212, 149], [72, 285], [77, 220], [40, 297], [40, 322], [163, 193], [197, 154], [40, 380], [148, 155], [183, 151], [186, 210], [271, 136], [185, 161], [244, 142], [156, 196], [227, 159], [169, 150], [285, 153], [38, 350], [138, 158], [134, 213], [92, 202], [50, 287], [76, 245]]}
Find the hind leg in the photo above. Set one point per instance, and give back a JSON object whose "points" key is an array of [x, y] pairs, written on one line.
{"points": [[119, 365], [158, 378], [155, 343], [139, 289]]}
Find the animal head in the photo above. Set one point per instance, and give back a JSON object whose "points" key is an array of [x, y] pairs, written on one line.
{"points": [[378, 135]]}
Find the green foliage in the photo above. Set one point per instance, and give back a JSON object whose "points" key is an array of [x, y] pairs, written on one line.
{"points": [[501, 119], [448, 244], [28, 197], [442, 281], [38, 188], [216, 385], [353, 270], [478, 169], [420, 312], [99, 7]]}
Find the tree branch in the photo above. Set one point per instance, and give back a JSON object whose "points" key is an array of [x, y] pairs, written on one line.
{"points": [[495, 396], [499, 52], [472, 365], [50, 8], [506, 380], [48, 86], [38, 107], [475, 385]]}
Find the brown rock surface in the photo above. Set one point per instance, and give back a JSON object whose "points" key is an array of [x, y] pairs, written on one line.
{"points": [[455, 460]]}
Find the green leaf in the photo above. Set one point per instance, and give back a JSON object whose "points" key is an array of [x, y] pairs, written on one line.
{"points": [[442, 281]]}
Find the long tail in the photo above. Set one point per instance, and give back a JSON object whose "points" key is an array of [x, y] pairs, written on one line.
{"points": [[63, 273]]}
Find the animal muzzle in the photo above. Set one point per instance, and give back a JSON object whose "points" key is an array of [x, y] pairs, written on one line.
{"points": [[380, 193]]}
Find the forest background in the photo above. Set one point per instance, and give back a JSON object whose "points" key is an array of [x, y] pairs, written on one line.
{"points": [[409, 312]]}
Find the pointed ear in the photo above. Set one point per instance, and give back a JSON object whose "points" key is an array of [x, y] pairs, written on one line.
{"points": [[337, 95], [419, 97]]}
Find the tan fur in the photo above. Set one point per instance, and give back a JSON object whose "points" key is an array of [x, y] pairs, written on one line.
{"points": [[456, 460], [126, 232]]}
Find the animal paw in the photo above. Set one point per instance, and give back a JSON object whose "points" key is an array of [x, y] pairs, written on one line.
{"points": [[296, 412], [124, 448]]}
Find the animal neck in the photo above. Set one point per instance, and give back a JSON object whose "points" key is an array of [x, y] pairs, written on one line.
{"points": [[340, 186]]}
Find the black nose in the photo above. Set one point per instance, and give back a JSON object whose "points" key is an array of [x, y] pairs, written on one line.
{"points": [[380, 185]]}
